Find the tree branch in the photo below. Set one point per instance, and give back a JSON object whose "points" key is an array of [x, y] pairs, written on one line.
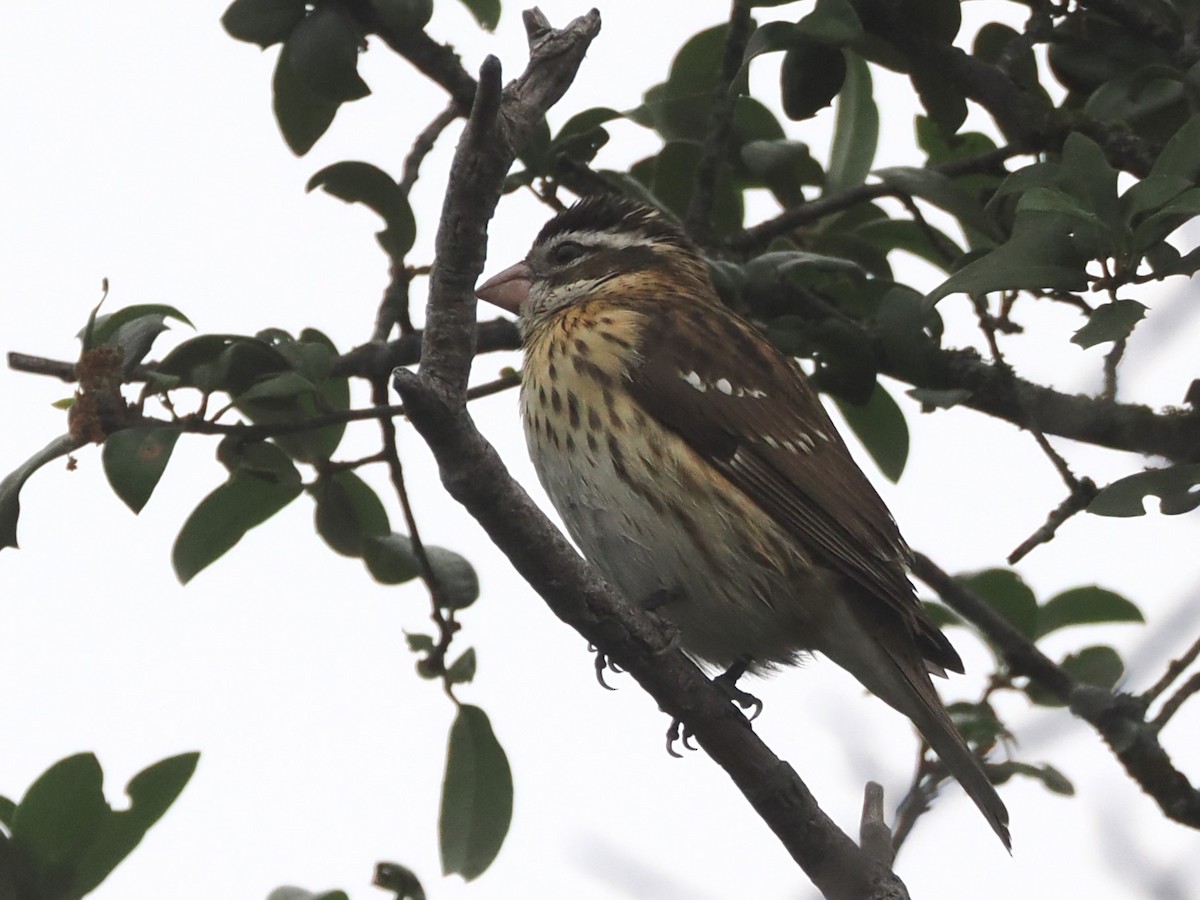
{"points": [[1119, 718], [720, 127], [475, 476], [759, 236]]}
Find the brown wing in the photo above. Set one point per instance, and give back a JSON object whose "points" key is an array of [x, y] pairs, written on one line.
{"points": [[763, 428]]}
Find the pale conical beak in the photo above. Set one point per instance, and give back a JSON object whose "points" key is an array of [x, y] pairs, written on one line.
{"points": [[508, 290]]}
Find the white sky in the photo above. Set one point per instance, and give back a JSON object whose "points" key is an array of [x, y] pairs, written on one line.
{"points": [[141, 148]]}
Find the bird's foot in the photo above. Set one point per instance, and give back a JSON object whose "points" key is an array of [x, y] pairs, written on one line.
{"points": [[679, 733], [603, 663], [727, 682]]}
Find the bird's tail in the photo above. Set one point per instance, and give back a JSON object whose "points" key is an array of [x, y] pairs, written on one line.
{"points": [[900, 680], [920, 702]]}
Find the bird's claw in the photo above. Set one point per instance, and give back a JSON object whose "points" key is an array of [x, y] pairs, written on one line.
{"points": [[602, 662]]}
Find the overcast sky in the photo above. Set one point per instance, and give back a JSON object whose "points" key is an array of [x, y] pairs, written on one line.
{"points": [[140, 147]]}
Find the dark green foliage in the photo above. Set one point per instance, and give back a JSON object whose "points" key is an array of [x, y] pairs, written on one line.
{"points": [[360, 182], [63, 837], [134, 461], [476, 796]]}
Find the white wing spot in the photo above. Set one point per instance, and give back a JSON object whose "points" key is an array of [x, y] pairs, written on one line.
{"points": [[805, 443], [725, 387], [693, 378], [771, 442]]}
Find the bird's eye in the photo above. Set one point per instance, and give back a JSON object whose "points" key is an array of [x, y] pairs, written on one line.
{"points": [[566, 252]]}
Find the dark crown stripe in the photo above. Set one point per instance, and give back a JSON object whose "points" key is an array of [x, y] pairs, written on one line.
{"points": [[614, 213]]}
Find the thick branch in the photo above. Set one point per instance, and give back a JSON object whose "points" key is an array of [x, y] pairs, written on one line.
{"points": [[1173, 434], [720, 126], [474, 475], [1119, 718]]}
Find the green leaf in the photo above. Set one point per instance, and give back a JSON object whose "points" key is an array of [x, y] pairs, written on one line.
{"points": [[404, 15], [476, 796], [1005, 592], [1150, 195], [1114, 321], [881, 427], [944, 99], [856, 130], [133, 329], [942, 193], [1039, 255], [921, 239], [419, 643], [670, 176], [1085, 174], [323, 54], [302, 394], [1052, 779], [295, 893], [151, 792], [1181, 154], [1099, 666], [302, 115], [361, 182], [7, 808], [134, 460], [486, 12], [456, 578], [462, 670], [263, 22], [58, 819], [810, 77], [1162, 222], [281, 386], [1178, 488], [1090, 605], [223, 518], [401, 881], [348, 512], [390, 558], [679, 109], [262, 458], [221, 362], [10, 487], [582, 136]]}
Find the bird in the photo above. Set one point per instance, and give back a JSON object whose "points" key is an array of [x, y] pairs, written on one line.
{"points": [[698, 472]]}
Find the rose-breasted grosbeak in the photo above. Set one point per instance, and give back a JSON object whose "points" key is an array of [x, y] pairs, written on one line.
{"points": [[696, 469]]}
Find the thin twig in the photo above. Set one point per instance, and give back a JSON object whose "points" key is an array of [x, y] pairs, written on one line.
{"points": [[698, 221], [1120, 719], [1176, 700], [396, 473], [987, 326], [423, 144], [1112, 360], [760, 235], [917, 800], [393, 307], [1077, 501], [1174, 669]]}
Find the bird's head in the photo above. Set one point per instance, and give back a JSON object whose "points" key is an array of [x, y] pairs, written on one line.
{"points": [[602, 246]]}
